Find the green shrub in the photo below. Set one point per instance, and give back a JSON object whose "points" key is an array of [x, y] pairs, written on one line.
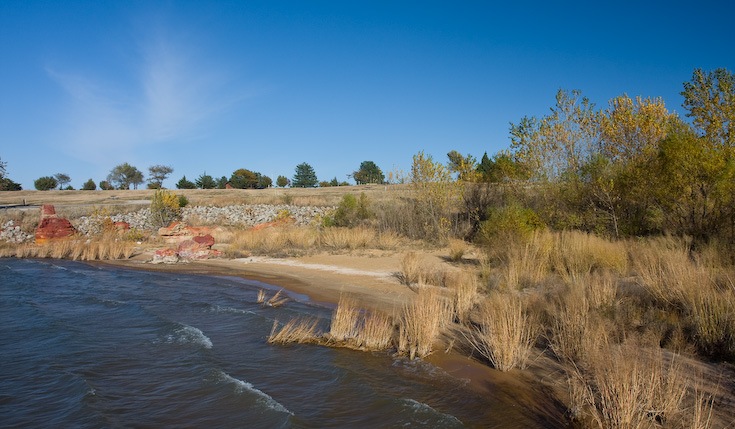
{"points": [[165, 208], [510, 221], [183, 201], [350, 211], [45, 183], [89, 185]]}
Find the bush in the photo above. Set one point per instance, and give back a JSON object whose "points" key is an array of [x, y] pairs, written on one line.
{"points": [[45, 183], [165, 208], [106, 186], [183, 201], [512, 220], [350, 211], [89, 185]]}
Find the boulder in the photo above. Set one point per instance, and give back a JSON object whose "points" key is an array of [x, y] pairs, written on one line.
{"points": [[204, 240], [196, 248], [179, 231], [165, 256], [191, 250], [52, 227]]}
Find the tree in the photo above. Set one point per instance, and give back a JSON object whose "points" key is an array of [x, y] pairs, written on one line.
{"points": [[5, 183], [264, 181], [205, 181], [8, 185], [464, 166], [106, 186], [185, 184], [368, 173], [282, 181], [124, 175], [710, 100], [157, 174], [502, 167], [334, 182], [222, 182], [243, 179], [305, 176], [45, 183], [632, 128], [62, 179], [89, 185], [560, 142], [695, 185]]}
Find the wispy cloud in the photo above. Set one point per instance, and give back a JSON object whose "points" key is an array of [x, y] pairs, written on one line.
{"points": [[170, 96]]}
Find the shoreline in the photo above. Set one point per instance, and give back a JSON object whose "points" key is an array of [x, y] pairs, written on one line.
{"points": [[537, 388]]}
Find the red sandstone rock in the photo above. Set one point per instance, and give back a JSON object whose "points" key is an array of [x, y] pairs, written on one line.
{"points": [[190, 250], [179, 231], [165, 256], [204, 240], [51, 227], [122, 226], [263, 225]]}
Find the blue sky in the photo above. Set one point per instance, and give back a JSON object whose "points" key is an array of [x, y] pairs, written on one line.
{"points": [[265, 85]]}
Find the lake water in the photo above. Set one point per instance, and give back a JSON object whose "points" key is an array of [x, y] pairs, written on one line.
{"points": [[89, 346]]}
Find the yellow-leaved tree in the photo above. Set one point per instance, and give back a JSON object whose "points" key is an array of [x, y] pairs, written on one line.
{"points": [[437, 196]]}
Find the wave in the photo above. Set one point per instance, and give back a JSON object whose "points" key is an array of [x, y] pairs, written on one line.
{"points": [[229, 310], [185, 334], [425, 410], [263, 398]]}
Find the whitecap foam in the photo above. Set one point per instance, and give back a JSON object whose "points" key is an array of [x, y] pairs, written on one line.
{"points": [[425, 409], [185, 334], [263, 398], [229, 310]]}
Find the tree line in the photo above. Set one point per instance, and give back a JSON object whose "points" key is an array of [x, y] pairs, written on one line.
{"points": [[632, 168], [125, 176]]}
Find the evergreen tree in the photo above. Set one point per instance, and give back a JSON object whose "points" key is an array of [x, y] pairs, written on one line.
{"points": [[305, 176]]}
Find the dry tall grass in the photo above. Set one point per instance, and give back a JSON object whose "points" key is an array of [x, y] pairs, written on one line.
{"points": [[347, 238], [525, 263], [703, 295], [577, 253], [457, 249], [624, 386], [410, 268], [100, 248], [345, 320], [295, 331], [507, 332], [463, 285], [276, 300], [356, 328], [421, 322]]}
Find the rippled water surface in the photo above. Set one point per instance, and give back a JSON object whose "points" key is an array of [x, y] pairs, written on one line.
{"points": [[84, 346]]}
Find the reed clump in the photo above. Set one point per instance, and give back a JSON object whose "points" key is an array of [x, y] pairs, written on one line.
{"points": [[350, 327], [359, 329], [463, 286], [506, 333], [421, 322], [624, 386], [411, 270], [277, 300], [295, 331]]}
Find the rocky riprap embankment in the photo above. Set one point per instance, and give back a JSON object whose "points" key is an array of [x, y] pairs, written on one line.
{"points": [[13, 234], [244, 215], [251, 215]]}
